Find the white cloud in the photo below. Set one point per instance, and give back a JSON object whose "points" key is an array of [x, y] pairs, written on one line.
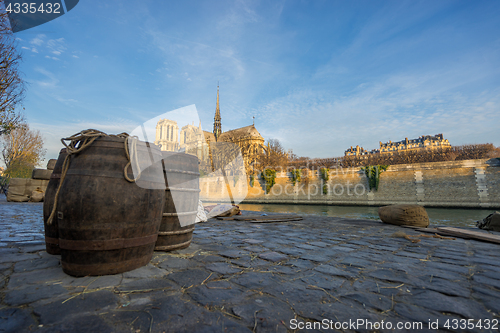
{"points": [[399, 106], [237, 16], [201, 58], [50, 82], [66, 100], [56, 46], [38, 40], [75, 56]]}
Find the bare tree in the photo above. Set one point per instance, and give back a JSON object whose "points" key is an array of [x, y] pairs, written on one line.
{"points": [[22, 149], [273, 156], [12, 85], [494, 153], [226, 156]]}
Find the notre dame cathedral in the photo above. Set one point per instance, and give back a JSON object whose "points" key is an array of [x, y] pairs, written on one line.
{"points": [[193, 140]]}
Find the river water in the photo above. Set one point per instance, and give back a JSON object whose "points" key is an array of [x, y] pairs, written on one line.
{"points": [[437, 216]]}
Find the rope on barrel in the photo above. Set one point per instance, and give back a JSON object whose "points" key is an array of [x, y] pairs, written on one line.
{"points": [[80, 141], [132, 156]]}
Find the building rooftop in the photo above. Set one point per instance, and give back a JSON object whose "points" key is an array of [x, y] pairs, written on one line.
{"points": [[243, 132]]}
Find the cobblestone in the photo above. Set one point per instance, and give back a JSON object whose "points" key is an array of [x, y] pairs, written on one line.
{"points": [[244, 277]]}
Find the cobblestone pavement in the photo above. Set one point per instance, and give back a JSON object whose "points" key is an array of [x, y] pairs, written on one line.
{"points": [[262, 277]]}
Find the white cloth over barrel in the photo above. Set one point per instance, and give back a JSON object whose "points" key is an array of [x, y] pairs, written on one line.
{"points": [[201, 216]]}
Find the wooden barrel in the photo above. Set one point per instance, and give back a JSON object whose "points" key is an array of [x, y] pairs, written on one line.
{"points": [[52, 231], [181, 201], [108, 225]]}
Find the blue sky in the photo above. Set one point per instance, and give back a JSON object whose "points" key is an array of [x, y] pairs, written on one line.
{"points": [[320, 76]]}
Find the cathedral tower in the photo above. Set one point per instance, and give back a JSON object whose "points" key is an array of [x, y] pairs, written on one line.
{"points": [[167, 135], [217, 123]]}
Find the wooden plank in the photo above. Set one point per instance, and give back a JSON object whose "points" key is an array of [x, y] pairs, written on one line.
{"points": [[238, 217], [427, 230], [280, 220], [463, 233], [258, 217]]}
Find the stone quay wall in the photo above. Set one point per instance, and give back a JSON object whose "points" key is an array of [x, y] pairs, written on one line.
{"points": [[456, 184]]}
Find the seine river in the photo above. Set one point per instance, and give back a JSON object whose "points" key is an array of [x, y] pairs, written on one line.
{"points": [[437, 216]]}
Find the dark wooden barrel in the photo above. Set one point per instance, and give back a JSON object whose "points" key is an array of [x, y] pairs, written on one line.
{"points": [[52, 231], [108, 225], [181, 201]]}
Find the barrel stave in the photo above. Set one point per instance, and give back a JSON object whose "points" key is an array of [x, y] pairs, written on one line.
{"points": [[51, 231], [181, 201]]}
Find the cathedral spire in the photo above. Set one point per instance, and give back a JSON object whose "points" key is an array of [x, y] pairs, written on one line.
{"points": [[217, 118]]}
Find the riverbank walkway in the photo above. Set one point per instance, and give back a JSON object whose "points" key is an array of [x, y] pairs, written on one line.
{"points": [[320, 274]]}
